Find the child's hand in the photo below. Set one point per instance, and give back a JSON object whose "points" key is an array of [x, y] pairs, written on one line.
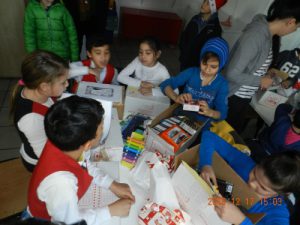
{"points": [[146, 84], [286, 84], [265, 82], [208, 174], [146, 91], [204, 109], [95, 72], [183, 98], [230, 213], [120, 207], [122, 190]]}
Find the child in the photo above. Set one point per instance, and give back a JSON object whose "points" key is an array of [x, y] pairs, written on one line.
{"points": [[49, 26], [252, 55], [200, 29], [282, 135], [203, 84], [289, 62], [73, 125], [96, 68], [44, 75], [271, 179], [147, 72]]}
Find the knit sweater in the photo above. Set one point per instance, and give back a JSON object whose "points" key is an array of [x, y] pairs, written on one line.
{"points": [[275, 214], [248, 54], [50, 29], [215, 93]]}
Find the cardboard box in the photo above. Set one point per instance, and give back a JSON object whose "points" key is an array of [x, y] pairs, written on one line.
{"points": [[155, 142], [151, 106], [241, 191], [270, 99], [108, 92]]}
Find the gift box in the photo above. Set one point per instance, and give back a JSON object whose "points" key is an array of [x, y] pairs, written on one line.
{"points": [[270, 99]]}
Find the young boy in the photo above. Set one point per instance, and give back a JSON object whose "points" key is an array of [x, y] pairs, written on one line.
{"points": [[96, 68], [201, 27], [73, 126]]}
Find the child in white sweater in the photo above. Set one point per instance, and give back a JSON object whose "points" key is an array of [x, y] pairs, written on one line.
{"points": [[145, 72]]}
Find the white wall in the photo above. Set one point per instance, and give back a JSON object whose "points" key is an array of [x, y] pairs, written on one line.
{"points": [[240, 11]]}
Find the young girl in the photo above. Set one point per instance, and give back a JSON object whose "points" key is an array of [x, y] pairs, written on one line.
{"points": [[49, 26], [271, 179], [252, 55], [203, 84], [147, 72], [44, 75]]}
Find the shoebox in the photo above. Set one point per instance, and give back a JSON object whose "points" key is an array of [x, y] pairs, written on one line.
{"points": [[151, 106]]}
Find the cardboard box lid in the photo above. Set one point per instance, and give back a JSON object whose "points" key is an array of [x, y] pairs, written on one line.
{"points": [[134, 93]]}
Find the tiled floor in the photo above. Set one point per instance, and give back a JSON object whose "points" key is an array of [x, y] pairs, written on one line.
{"points": [[123, 52]]}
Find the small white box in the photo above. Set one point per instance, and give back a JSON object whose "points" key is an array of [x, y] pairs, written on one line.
{"points": [[270, 98], [151, 106], [191, 107]]}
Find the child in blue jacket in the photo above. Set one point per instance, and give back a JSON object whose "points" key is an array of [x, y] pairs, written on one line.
{"points": [[203, 84], [274, 177]]}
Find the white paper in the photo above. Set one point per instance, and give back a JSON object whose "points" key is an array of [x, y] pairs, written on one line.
{"points": [[193, 196], [97, 197], [108, 92]]}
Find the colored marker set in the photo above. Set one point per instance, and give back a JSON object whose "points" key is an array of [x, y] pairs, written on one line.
{"points": [[133, 147]]}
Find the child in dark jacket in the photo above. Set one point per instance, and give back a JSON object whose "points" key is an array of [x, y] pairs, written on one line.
{"points": [[201, 27], [282, 135], [49, 26]]}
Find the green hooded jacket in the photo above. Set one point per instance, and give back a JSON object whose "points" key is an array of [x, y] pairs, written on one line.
{"points": [[50, 29]]}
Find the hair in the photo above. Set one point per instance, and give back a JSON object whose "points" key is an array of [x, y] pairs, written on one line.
{"points": [[209, 55], [283, 171], [38, 67], [96, 41], [282, 9], [296, 119], [73, 121], [153, 43]]}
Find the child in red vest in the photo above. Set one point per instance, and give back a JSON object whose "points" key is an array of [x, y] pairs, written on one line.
{"points": [[73, 125], [96, 68]]}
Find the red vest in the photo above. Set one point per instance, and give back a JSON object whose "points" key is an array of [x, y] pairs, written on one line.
{"points": [[53, 160], [110, 72]]}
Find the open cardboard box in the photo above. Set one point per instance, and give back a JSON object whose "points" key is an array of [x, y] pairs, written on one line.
{"points": [[155, 142], [151, 106], [241, 191]]}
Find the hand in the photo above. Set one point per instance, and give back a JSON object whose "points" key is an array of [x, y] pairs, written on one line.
{"points": [[122, 190], [230, 213], [146, 91], [204, 109], [208, 174], [181, 99], [94, 71], [146, 84], [286, 84], [266, 82], [120, 207]]}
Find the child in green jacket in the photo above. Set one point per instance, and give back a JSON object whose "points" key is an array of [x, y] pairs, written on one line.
{"points": [[49, 26]]}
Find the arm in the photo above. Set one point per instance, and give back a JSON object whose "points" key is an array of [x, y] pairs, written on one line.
{"points": [[221, 101], [29, 31], [124, 75], [243, 52], [72, 35], [77, 69], [59, 192], [32, 125]]}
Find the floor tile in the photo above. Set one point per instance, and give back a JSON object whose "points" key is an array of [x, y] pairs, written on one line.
{"points": [[9, 138], [4, 84], [9, 154], [5, 119]]}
